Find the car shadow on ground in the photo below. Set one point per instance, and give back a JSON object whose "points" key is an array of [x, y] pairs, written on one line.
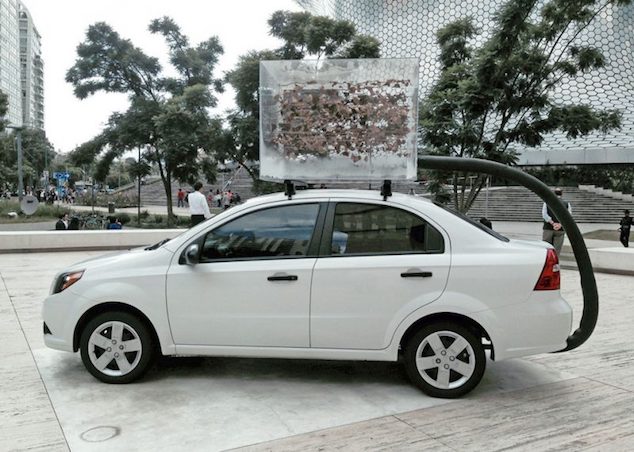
{"points": [[265, 369]]}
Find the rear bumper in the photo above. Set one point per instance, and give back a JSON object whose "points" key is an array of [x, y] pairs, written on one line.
{"points": [[540, 325]]}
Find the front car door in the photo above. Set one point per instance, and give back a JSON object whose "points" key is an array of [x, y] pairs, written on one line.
{"points": [[252, 284], [378, 264]]}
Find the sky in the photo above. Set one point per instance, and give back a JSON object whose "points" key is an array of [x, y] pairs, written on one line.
{"points": [[241, 26]]}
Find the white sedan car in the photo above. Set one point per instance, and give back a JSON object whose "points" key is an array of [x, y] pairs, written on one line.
{"points": [[327, 274]]}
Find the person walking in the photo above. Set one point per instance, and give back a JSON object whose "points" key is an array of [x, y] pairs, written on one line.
{"points": [[624, 226], [198, 208], [553, 232]]}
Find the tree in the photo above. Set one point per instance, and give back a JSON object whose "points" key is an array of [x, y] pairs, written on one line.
{"points": [[303, 35], [4, 108], [499, 93], [38, 154], [167, 116]]}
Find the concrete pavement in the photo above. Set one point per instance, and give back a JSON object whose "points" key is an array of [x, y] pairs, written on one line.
{"points": [[571, 401]]}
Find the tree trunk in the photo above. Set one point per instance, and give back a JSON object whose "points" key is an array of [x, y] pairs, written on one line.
{"points": [[166, 178]]}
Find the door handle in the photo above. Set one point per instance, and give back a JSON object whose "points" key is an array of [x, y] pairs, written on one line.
{"points": [[416, 275], [282, 278]]}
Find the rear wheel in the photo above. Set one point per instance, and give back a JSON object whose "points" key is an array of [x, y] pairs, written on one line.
{"points": [[116, 347], [445, 360]]}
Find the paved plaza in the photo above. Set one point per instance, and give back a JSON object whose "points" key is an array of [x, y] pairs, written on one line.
{"points": [[580, 400]]}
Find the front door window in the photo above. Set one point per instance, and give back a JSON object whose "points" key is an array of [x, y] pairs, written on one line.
{"points": [[270, 233]]}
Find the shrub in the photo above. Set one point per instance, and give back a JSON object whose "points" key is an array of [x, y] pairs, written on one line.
{"points": [[43, 210], [124, 218]]}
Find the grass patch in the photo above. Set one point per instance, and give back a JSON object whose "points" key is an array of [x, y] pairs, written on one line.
{"points": [[44, 212]]}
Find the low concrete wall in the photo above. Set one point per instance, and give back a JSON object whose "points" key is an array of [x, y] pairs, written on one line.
{"points": [[39, 241], [613, 260]]}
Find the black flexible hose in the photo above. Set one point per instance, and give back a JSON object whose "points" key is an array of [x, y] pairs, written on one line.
{"points": [[588, 283]]}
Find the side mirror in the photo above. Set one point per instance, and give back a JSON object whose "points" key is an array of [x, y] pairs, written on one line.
{"points": [[191, 254]]}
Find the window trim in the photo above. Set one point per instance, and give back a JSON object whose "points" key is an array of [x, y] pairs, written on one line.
{"points": [[475, 223], [325, 249], [313, 244]]}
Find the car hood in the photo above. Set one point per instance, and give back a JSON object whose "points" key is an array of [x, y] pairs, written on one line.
{"points": [[116, 258]]}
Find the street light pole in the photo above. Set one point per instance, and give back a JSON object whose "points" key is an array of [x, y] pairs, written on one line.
{"points": [[18, 145], [138, 202]]}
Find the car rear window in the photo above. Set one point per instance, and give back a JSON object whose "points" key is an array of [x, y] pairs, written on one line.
{"points": [[477, 224]]}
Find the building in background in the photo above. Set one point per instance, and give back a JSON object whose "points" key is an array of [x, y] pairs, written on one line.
{"points": [[21, 67], [31, 72], [408, 29], [10, 59]]}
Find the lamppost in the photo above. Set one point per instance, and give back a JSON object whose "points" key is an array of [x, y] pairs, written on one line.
{"points": [[18, 145]]}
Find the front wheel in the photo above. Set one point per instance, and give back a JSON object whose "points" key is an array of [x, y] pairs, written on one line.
{"points": [[445, 360], [116, 347]]}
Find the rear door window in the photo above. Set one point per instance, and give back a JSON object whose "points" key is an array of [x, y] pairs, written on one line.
{"points": [[361, 229]]}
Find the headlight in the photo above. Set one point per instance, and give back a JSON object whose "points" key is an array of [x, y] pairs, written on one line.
{"points": [[66, 280]]}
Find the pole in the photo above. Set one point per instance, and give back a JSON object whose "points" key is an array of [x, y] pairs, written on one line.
{"points": [[138, 182], [18, 143], [45, 167], [486, 198]]}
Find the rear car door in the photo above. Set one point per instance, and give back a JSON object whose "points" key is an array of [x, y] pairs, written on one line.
{"points": [[377, 264]]}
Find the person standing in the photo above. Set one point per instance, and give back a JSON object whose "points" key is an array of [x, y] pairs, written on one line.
{"points": [[62, 223], [625, 226], [198, 208], [226, 199], [553, 232], [180, 196], [114, 223]]}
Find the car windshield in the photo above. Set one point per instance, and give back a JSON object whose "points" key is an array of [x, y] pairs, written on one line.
{"points": [[477, 224]]}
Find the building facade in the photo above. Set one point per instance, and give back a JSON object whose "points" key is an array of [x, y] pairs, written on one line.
{"points": [[10, 60], [31, 72], [21, 67], [407, 28]]}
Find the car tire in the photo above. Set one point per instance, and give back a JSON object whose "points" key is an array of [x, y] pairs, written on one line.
{"points": [[445, 360], [117, 347]]}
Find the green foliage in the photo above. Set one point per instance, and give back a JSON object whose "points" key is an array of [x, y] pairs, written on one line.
{"points": [[158, 221], [102, 200], [4, 108], [493, 96], [305, 35], [168, 115], [43, 212], [262, 187], [615, 177], [107, 62], [37, 152], [124, 218]]}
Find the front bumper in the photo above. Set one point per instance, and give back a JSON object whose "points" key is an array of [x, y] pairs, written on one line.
{"points": [[59, 315]]}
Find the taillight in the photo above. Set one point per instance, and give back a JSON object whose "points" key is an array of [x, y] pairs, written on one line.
{"points": [[550, 277]]}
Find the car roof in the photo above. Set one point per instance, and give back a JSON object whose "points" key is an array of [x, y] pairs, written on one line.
{"points": [[365, 195]]}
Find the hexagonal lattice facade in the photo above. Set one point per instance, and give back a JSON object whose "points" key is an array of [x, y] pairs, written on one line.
{"points": [[408, 28]]}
